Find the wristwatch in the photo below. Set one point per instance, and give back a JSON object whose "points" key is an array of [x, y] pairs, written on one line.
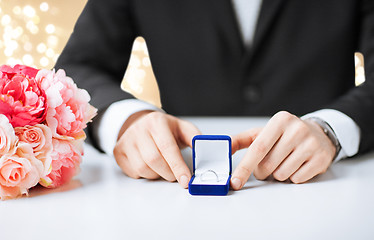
{"points": [[329, 133]]}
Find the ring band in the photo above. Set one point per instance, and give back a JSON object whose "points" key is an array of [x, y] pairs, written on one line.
{"points": [[204, 178]]}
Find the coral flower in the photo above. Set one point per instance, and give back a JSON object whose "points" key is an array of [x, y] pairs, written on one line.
{"points": [[69, 110], [66, 158], [39, 137], [19, 172], [22, 100], [19, 69]]}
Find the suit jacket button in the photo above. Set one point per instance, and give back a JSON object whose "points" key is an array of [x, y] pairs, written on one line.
{"points": [[252, 93]]}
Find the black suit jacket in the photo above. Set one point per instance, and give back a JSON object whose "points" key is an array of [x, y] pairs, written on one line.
{"points": [[302, 58]]}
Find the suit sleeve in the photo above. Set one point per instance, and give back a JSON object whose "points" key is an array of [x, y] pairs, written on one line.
{"points": [[359, 102], [98, 51]]}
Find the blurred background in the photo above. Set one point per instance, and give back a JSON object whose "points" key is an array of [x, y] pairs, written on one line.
{"points": [[34, 32]]}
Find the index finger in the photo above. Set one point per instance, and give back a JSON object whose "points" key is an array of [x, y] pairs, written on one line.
{"points": [[256, 152], [168, 147], [244, 139], [185, 131]]}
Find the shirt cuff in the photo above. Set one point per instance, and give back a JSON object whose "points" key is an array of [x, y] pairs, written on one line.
{"points": [[346, 130], [114, 117]]}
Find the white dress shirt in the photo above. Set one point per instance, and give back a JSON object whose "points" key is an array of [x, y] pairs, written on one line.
{"points": [[247, 12]]}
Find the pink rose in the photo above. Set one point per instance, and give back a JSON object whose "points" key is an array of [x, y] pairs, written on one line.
{"points": [[19, 172], [39, 137], [8, 138], [66, 158], [69, 110], [22, 100]]}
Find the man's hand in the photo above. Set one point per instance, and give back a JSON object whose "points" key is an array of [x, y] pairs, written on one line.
{"points": [[287, 147], [149, 145]]}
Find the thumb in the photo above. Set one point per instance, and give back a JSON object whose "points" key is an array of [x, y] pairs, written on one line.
{"points": [[185, 132], [244, 139]]}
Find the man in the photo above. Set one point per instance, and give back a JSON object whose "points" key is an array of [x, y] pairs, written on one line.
{"points": [[222, 57]]}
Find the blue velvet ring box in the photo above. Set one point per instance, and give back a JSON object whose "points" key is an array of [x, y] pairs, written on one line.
{"points": [[211, 156]]}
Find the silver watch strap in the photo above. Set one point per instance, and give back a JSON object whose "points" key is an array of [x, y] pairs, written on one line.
{"points": [[329, 133]]}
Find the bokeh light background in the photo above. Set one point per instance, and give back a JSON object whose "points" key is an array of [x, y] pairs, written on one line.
{"points": [[34, 32]]}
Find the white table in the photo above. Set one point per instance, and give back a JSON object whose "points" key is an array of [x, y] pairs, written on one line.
{"points": [[102, 203]]}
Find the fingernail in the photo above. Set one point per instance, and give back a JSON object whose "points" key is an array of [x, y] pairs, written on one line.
{"points": [[236, 184], [183, 181]]}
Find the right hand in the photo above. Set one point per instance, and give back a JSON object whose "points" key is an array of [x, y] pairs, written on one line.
{"points": [[148, 146]]}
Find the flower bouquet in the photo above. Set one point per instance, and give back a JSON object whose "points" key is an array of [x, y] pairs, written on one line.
{"points": [[42, 119]]}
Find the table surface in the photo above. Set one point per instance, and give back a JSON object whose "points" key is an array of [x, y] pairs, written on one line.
{"points": [[103, 203]]}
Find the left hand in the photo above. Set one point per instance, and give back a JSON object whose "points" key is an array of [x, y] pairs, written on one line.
{"points": [[287, 147]]}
